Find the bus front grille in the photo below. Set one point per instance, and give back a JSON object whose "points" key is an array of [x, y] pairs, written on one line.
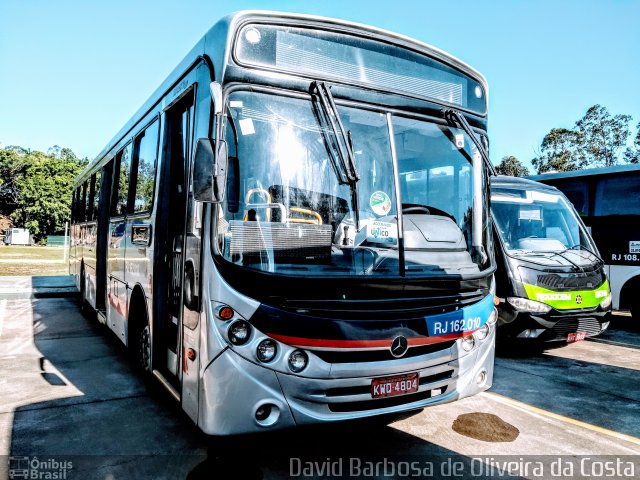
{"points": [[374, 404], [358, 356], [366, 389]]}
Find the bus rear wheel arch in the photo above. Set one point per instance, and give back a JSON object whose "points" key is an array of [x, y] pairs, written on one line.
{"points": [[630, 298]]}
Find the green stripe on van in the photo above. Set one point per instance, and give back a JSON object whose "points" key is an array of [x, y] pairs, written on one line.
{"points": [[568, 300]]}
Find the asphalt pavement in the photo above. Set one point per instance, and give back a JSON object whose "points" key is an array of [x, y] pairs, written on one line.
{"points": [[72, 401]]}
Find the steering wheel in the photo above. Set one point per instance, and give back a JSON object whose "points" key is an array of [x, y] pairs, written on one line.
{"points": [[416, 209]]}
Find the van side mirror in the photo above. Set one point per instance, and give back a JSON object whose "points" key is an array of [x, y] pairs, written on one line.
{"points": [[209, 170]]}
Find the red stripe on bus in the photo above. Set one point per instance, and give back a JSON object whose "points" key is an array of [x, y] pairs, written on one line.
{"points": [[324, 343]]}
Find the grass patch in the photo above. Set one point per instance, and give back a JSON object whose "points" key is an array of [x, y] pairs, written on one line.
{"points": [[19, 260]]}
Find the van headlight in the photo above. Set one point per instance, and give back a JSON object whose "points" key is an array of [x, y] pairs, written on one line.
{"points": [[526, 305]]}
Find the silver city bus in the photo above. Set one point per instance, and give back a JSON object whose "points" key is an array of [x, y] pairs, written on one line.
{"points": [[295, 228]]}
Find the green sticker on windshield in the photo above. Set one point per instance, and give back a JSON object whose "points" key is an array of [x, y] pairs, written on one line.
{"points": [[380, 203]]}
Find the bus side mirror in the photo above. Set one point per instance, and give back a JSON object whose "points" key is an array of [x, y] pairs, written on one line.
{"points": [[209, 170]]}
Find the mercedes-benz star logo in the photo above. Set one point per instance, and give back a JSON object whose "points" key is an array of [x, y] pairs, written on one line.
{"points": [[399, 346]]}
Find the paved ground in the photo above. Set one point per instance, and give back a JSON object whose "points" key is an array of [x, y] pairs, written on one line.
{"points": [[70, 395]]}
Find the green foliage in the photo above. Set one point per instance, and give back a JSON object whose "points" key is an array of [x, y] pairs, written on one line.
{"points": [[596, 140], [558, 152], [632, 154], [510, 165], [601, 137], [35, 187], [13, 166]]}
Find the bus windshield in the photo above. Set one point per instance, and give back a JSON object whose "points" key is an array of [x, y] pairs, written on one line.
{"points": [[288, 208], [537, 221]]}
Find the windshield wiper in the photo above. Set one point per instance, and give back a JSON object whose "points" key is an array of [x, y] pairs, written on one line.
{"points": [[582, 247], [453, 116], [342, 144]]}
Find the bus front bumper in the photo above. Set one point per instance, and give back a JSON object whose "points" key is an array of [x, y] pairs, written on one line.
{"points": [[240, 396]]}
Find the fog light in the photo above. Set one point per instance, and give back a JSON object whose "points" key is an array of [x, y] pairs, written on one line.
{"points": [[298, 361], [481, 378], [239, 332], [263, 412], [483, 332], [266, 350], [468, 343]]}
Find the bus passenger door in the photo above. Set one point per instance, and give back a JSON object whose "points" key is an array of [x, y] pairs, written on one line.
{"points": [[170, 243], [117, 309], [191, 284]]}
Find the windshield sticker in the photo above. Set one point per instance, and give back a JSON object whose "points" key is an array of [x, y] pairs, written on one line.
{"points": [[382, 232], [246, 126], [460, 141], [380, 203], [235, 104], [530, 214]]}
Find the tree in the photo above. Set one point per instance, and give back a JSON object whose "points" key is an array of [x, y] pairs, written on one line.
{"points": [[35, 188], [596, 140], [632, 154], [558, 151], [601, 137], [13, 166], [510, 165]]}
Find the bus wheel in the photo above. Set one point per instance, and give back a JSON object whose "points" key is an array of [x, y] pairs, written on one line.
{"points": [[144, 349]]}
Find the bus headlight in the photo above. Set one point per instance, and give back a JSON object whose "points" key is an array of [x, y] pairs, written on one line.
{"points": [[266, 350], [239, 332], [468, 343], [526, 305], [298, 361], [483, 332], [606, 302]]}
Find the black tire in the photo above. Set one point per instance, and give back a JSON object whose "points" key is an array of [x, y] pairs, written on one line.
{"points": [[143, 349], [83, 302], [139, 337]]}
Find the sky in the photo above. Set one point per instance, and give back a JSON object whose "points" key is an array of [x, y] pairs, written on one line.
{"points": [[72, 72]]}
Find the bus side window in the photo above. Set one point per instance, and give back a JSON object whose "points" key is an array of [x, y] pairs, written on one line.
{"points": [[91, 185], [83, 203], [143, 171], [120, 191], [96, 193], [578, 194], [617, 196]]}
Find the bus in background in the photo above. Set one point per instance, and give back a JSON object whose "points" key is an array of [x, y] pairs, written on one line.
{"points": [[550, 283], [608, 200], [295, 229]]}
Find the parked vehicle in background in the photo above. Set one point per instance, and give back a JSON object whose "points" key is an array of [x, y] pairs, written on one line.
{"points": [[17, 236], [551, 281], [295, 229], [608, 200]]}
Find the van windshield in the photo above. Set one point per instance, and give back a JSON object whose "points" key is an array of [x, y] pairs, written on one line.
{"points": [[536, 221]]}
